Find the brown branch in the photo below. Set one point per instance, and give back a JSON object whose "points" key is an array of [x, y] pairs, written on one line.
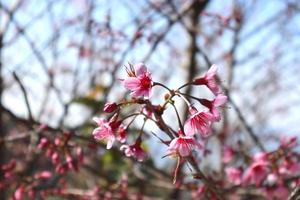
{"points": [[295, 194]]}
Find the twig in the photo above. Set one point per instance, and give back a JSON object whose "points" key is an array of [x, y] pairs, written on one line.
{"points": [[295, 194], [24, 94], [208, 183]]}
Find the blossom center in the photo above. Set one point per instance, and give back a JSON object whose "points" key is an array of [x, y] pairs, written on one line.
{"points": [[145, 82]]}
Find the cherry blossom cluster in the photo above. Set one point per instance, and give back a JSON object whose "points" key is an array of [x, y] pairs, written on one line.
{"points": [[63, 155], [272, 172], [269, 175], [190, 134], [23, 187]]}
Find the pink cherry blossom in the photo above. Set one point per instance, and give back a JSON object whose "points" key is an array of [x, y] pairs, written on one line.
{"points": [[198, 121], [104, 132], [139, 81], [183, 145], [44, 142], [280, 192], [261, 157], [234, 175], [228, 154], [209, 80], [135, 151], [256, 172], [290, 167], [288, 142], [213, 105]]}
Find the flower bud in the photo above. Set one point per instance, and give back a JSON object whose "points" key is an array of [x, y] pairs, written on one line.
{"points": [[57, 141], [167, 96], [55, 158], [43, 175], [19, 193], [110, 107], [44, 142]]}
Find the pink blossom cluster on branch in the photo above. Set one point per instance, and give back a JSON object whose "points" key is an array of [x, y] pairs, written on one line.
{"points": [[64, 155], [271, 172], [190, 134]]}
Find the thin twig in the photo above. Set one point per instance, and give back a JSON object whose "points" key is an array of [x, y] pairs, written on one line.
{"points": [[24, 94]]}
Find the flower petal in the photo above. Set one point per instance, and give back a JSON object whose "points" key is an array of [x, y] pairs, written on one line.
{"points": [[220, 100], [212, 71], [132, 83], [140, 69]]}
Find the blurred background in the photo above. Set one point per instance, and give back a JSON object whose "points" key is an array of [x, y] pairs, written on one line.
{"points": [[61, 60]]}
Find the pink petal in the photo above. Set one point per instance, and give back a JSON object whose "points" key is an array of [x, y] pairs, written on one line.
{"points": [[184, 150], [132, 83], [188, 129], [109, 143], [140, 69], [98, 120], [220, 100], [173, 143], [213, 86], [98, 133], [212, 71]]}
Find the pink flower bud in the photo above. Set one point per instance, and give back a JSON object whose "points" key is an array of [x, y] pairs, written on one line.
{"points": [[49, 152], [61, 169], [110, 107], [55, 158], [43, 175], [44, 142], [79, 154], [19, 193], [67, 135], [42, 127], [8, 175], [70, 162], [31, 194], [57, 141], [9, 166]]}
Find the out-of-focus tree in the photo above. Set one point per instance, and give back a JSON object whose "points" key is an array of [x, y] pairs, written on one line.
{"points": [[61, 61]]}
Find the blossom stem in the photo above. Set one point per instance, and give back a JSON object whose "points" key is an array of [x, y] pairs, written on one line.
{"points": [[131, 121], [144, 123], [190, 96], [178, 117], [184, 85], [185, 100], [176, 170], [131, 115], [160, 139], [162, 85]]}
